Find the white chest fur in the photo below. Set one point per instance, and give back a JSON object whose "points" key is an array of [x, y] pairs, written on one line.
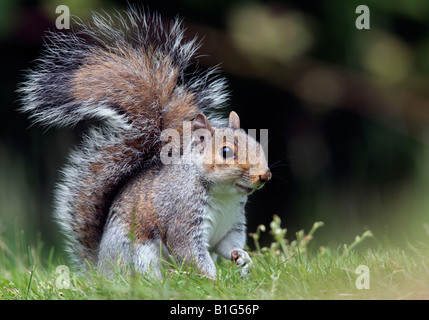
{"points": [[224, 209]]}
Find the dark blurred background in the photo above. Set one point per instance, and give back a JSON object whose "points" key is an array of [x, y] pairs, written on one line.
{"points": [[347, 111]]}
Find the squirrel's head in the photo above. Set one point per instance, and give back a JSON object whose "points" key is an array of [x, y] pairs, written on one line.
{"points": [[229, 156]]}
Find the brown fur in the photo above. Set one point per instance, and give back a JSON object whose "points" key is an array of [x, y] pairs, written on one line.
{"points": [[115, 77]]}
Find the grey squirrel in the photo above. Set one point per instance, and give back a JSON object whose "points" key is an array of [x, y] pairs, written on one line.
{"points": [[117, 202]]}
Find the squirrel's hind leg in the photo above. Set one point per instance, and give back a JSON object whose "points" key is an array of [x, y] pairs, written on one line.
{"points": [[118, 252]]}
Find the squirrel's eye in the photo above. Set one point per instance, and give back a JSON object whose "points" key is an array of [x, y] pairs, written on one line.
{"points": [[226, 152]]}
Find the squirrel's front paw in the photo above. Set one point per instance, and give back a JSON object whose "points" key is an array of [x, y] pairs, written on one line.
{"points": [[242, 260]]}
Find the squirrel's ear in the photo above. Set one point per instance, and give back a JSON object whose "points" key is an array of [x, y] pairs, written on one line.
{"points": [[234, 120], [202, 131], [201, 122]]}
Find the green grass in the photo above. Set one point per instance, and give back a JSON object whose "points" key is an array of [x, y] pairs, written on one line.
{"points": [[283, 270]]}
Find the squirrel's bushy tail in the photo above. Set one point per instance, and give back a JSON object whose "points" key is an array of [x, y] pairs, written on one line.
{"points": [[129, 72]]}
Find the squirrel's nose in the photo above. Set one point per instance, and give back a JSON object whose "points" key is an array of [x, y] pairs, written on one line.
{"points": [[266, 176]]}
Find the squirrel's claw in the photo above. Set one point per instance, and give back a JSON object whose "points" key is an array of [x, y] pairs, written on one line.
{"points": [[242, 260]]}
